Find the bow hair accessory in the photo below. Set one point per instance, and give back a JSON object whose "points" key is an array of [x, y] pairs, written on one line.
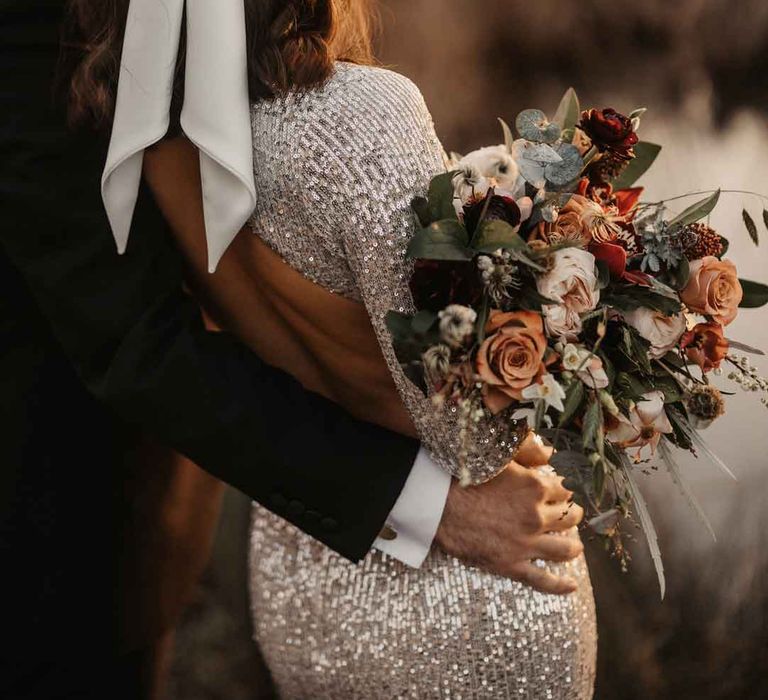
{"points": [[215, 115]]}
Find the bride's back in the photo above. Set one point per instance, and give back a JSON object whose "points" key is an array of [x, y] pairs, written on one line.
{"points": [[290, 290]]}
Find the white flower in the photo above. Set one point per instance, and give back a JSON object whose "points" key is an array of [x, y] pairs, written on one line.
{"points": [[572, 282], [497, 165], [663, 332], [529, 414], [647, 421], [456, 323], [437, 363], [469, 182], [547, 390], [588, 366]]}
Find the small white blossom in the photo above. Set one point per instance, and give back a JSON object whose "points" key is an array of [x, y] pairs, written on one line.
{"points": [[548, 390], [456, 324]]}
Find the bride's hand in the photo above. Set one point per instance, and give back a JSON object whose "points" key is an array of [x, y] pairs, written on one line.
{"points": [[521, 515]]}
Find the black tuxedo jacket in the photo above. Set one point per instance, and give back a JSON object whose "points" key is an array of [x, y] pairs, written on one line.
{"points": [[138, 342]]}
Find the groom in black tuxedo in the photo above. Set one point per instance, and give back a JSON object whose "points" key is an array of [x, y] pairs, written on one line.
{"points": [[138, 344]]}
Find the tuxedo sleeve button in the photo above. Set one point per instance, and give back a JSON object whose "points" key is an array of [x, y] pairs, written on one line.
{"points": [[278, 501], [295, 508], [329, 524]]}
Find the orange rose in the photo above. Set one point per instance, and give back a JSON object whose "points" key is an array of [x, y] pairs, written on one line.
{"points": [[705, 345], [512, 356], [713, 289]]}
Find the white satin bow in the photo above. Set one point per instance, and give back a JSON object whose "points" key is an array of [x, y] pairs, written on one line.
{"points": [[215, 115]]}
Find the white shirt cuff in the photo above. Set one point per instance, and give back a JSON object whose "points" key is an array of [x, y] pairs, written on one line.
{"points": [[417, 512]]}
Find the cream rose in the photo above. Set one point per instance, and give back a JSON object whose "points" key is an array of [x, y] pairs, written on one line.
{"points": [[713, 289], [572, 283], [511, 358], [663, 332]]}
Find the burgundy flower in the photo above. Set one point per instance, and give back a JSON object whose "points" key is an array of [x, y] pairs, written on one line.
{"points": [[436, 284], [499, 207], [609, 131]]}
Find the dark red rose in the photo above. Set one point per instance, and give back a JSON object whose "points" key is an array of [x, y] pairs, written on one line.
{"points": [[609, 131], [499, 207], [437, 283]]}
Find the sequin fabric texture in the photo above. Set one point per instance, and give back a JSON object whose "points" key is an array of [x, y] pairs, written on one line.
{"points": [[336, 169]]}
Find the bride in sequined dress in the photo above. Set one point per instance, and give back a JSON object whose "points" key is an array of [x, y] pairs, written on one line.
{"points": [[307, 287]]}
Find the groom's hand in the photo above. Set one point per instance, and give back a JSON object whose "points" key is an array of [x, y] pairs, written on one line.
{"points": [[504, 524]]}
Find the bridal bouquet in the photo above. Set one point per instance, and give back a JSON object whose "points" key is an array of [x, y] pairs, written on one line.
{"points": [[548, 291]]}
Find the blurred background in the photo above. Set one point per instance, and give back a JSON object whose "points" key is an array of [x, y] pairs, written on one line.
{"points": [[701, 67]]}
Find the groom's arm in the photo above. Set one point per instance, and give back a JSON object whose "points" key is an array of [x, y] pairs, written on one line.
{"points": [[139, 343]]}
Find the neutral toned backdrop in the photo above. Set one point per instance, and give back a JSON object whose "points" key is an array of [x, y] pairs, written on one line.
{"points": [[701, 67]]}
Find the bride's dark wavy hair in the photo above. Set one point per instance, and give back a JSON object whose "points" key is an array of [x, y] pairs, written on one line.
{"points": [[291, 44]]}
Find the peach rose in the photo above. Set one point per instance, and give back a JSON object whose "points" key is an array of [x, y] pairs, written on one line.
{"points": [[713, 289], [661, 331], [511, 358]]}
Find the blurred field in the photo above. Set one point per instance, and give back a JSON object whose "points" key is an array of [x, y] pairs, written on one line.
{"points": [[701, 66]]}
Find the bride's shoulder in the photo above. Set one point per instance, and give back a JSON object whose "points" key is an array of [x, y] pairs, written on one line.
{"points": [[374, 82], [353, 96]]}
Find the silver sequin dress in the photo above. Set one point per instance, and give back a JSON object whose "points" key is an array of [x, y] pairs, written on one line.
{"points": [[336, 169]]}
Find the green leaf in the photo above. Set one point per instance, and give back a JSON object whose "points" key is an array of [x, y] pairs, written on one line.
{"points": [[441, 240], [678, 276], [497, 234], [744, 347], [603, 274], [509, 138], [441, 197], [591, 424], [482, 318], [755, 294], [765, 217], [573, 398], [533, 125], [398, 325], [645, 154], [568, 168], [568, 112], [631, 297], [696, 211], [420, 207], [726, 244], [423, 321], [749, 222]]}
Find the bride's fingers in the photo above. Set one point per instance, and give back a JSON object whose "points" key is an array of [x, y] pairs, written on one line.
{"points": [[542, 580], [533, 452], [561, 516], [557, 547]]}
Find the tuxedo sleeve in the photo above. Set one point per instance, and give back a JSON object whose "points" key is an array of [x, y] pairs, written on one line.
{"points": [[139, 344]]}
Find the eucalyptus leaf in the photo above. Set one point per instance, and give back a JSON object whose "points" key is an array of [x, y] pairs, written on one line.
{"points": [[441, 240], [755, 294], [696, 211], [749, 222], [645, 155], [569, 111], [533, 125], [568, 168]]}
